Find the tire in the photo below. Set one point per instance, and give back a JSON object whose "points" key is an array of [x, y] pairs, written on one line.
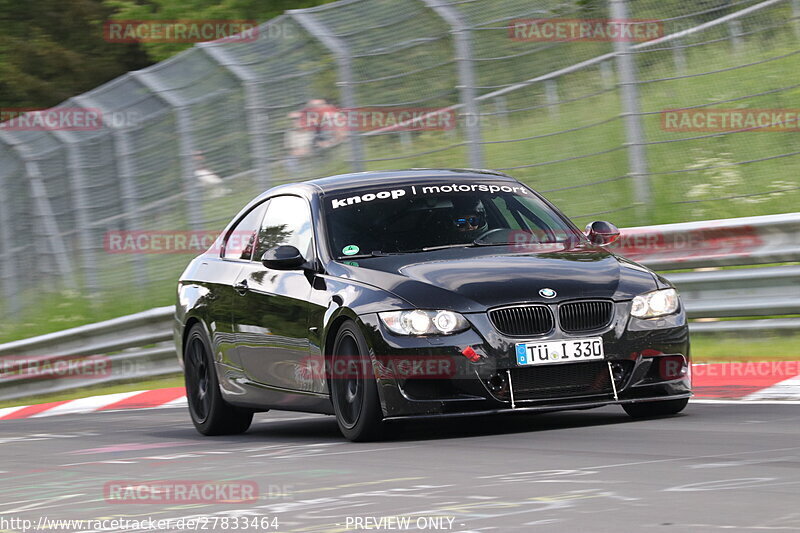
{"points": [[654, 409], [211, 414], [354, 392]]}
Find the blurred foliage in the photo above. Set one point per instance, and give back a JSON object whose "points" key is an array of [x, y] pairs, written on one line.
{"points": [[258, 10], [53, 49]]}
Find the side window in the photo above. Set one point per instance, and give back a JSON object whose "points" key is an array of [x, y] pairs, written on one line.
{"points": [[242, 238], [288, 222]]}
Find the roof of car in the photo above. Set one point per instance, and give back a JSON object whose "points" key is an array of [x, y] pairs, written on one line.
{"points": [[382, 177], [377, 178]]}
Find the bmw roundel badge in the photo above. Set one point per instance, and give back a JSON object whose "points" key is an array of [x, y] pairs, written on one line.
{"points": [[547, 293]]}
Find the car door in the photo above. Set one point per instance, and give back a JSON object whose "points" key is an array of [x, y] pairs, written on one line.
{"points": [[271, 316], [224, 269]]}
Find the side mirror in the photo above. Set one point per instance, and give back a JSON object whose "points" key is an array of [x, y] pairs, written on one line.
{"points": [[283, 258], [601, 232]]}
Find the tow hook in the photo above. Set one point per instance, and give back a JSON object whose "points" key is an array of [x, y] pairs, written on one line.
{"points": [[471, 354]]}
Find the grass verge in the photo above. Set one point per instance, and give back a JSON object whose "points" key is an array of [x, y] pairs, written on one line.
{"points": [[720, 348]]}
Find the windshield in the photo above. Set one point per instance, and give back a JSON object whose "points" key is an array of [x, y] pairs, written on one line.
{"points": [[422, 217]]}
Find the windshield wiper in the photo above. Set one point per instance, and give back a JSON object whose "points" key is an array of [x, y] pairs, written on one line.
{"points": [[521, 244], [445, 246], [481, 243], [472, 244]]}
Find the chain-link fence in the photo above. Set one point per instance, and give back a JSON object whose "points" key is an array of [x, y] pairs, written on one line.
{"points": [[583, 118]]}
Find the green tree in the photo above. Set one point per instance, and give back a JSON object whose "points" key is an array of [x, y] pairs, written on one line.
{"points": [[257, 10], [53, 49]]}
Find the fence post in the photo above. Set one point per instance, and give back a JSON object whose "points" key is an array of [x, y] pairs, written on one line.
{"points": [[405, 140], [735, 30], [796, 17], [194, 201], [125, 172], [122, 151], [679, 57], [257, 121], [255, 110], [10, 283], [43, 208], [466, 78], [607, 74], [501, 109], [551, 96], [344, 63], [77, 185], [629, 93]]}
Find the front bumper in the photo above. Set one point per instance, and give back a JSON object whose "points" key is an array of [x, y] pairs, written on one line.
{"points": [[645, 360]]}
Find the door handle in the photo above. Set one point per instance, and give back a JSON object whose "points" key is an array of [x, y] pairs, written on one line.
{"points": [[241, 287]]}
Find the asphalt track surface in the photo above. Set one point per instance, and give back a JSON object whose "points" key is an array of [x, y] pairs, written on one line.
{"points": [[715, 467]]}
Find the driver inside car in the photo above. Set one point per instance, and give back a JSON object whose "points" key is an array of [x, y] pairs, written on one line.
{"points": [[470, 219]]}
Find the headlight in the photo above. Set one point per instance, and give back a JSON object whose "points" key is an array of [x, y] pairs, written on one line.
{"points": [[656, 303], [419, 322]]}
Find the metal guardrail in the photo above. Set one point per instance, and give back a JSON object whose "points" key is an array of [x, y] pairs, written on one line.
{"points": [[140, 345], [714, 243], [748, 241], [748, 292], [766, 291], [126, 348]]}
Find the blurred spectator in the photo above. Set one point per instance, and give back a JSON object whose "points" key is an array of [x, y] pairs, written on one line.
{"points": [[326, 121], [207, 178]]}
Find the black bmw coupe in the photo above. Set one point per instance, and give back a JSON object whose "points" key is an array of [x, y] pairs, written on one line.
{"points": [[421, 293]]}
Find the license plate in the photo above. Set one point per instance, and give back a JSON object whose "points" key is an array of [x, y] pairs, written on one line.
{"points": [[563, 351]]}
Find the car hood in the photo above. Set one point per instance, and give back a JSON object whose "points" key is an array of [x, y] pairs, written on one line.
{"points": [[474, 279]]}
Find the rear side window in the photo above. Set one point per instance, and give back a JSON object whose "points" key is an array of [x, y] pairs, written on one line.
{"points": [[241, 240]]}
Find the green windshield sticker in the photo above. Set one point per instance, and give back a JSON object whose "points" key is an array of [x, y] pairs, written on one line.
{"points": [[350, 249]]}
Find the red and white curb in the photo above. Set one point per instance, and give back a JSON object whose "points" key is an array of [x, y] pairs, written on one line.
{"points": [[747, 381], [743, 382], [158, 398]]}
